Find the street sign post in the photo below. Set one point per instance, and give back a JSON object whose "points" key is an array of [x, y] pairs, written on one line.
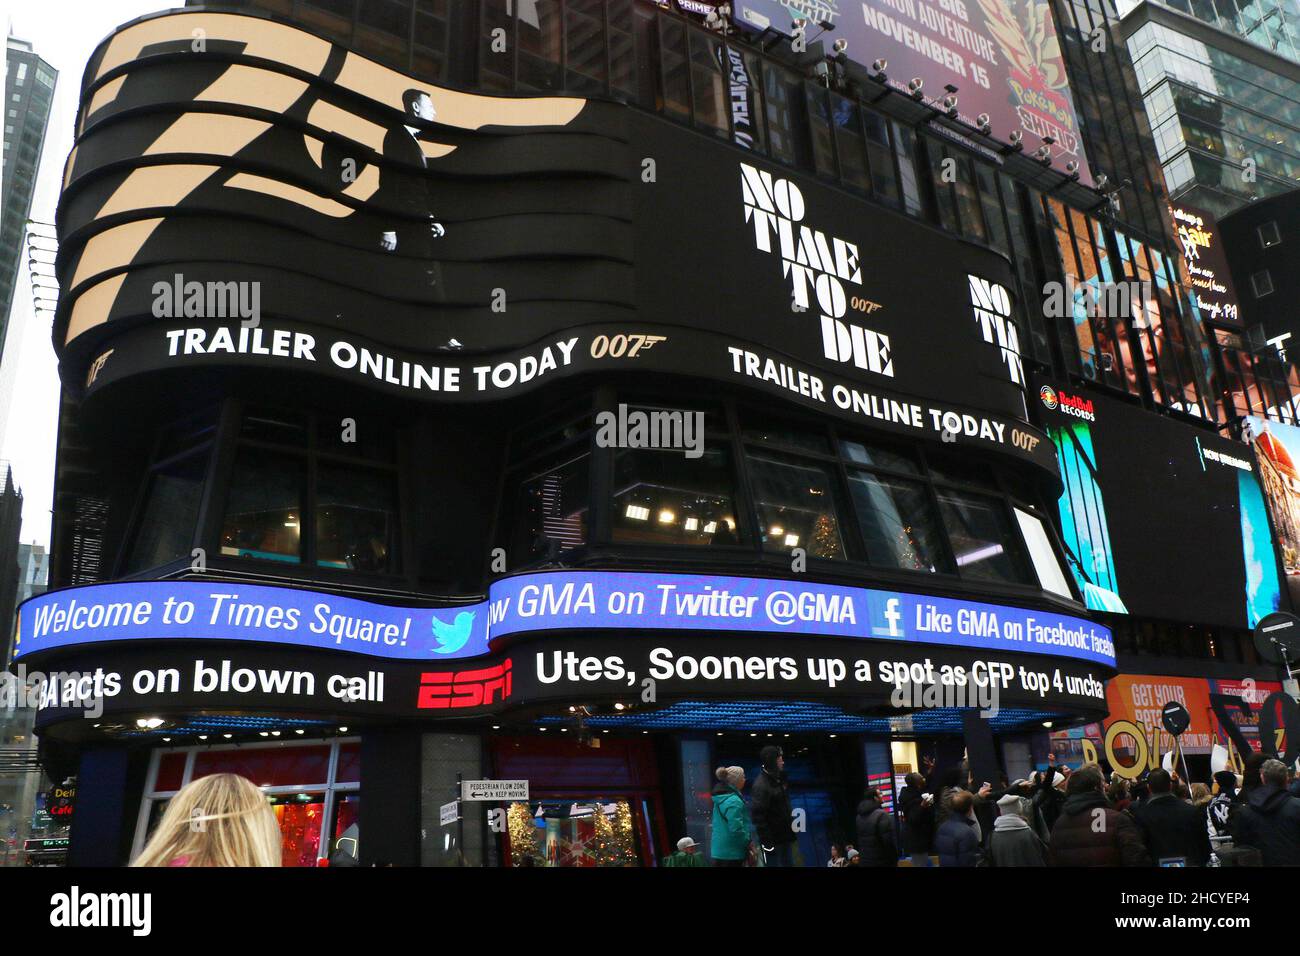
{"points": [[494, 790], [449, 813]]}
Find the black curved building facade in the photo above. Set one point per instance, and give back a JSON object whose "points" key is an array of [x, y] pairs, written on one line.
{"points": [[417, 432]]}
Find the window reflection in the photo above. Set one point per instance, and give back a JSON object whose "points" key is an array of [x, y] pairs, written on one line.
{"points": [[984, 546], [356, 511], [795, 506], [264, 511], [551, 507], [166, 530], [898, 523], [663, 497]]}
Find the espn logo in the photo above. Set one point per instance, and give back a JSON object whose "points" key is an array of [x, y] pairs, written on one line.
{"points": [[454, 690]]}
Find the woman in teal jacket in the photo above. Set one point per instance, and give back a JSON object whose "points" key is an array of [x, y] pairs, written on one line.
{"points": [[730, 842]]}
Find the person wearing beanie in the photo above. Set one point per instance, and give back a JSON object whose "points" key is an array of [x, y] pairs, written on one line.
{"points": [[1013, 841], [1175, 830], [773, 816], [1090, 832], [729, 845]]}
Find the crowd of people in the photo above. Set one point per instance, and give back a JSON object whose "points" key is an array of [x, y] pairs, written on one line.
{"points": [[1057, 817]]}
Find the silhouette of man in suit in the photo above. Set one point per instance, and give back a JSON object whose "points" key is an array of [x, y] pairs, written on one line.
{"points": [[406, 190]]}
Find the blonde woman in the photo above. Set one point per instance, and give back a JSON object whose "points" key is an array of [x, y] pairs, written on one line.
{"points": [[220, 820]]}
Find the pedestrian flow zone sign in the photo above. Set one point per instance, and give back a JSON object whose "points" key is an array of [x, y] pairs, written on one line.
{"points": [[494, 790]]}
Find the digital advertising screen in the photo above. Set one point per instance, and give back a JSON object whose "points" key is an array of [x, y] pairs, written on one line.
{"points": [[1003, 56], [1135, 702], [280, 202], [1277, 448], [1203, 264], [1159, 519]]}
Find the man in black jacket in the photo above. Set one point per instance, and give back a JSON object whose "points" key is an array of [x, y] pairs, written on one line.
{"points": [[1270, 819], [1175, 831], [876, 843], [918, 819], [770, 809]]}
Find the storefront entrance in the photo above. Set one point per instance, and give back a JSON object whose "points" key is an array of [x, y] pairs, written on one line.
{"points": [[590, 806], [314, 790]]}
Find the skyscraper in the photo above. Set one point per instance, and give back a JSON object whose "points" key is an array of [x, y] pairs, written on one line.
{"points": [[1224, 111], [29, 92]]}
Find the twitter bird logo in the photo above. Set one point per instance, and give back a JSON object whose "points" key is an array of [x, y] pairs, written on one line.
{"points": [[452, 637]]}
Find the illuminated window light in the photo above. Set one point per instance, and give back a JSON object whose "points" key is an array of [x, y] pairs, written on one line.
{"points": [[692, 524], [791, 540], [711, 527], [638, 513], [979, 554], [667, 517], [777, 531]]}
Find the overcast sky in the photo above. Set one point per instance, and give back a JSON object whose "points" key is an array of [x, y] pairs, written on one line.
{"points": [[64, 33]]}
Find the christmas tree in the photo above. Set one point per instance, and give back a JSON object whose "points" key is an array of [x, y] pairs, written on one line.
{"points": [[523, 833], [623, 837]]}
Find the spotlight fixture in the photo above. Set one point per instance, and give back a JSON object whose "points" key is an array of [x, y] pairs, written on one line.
{"points": [[1072, 170], [1014, 142], [840, 46], [1043, 155], [984, 123], [1102, 182], [878, 68], [950, 105], [914, 87]]}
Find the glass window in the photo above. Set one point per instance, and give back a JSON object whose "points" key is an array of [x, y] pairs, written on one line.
{"points": [[1047, 566], [264, 510], [356, 518], [772, 429], [880, 157], [275, 426], [711, 104], [550, 501], [850, 144], [795, 506], [355, 437], [905, 149], [878, 456], [780, 90], [584, 43], [898, 523], [959, 470], [540, 45], [171, 509], [675, 70], [819, 123], [984, 545], [663, 497]]}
